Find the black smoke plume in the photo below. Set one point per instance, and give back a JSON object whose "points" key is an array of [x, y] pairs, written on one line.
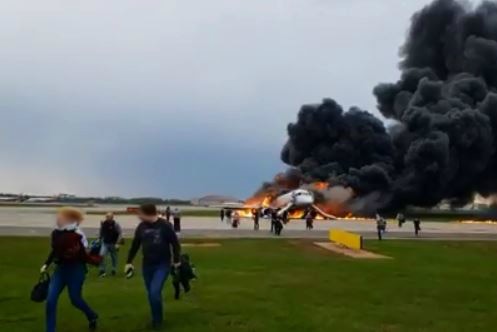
{"points": [[443, 143]]}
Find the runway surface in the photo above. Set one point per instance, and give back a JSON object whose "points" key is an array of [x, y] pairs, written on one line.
{"points": [[202, 227]]}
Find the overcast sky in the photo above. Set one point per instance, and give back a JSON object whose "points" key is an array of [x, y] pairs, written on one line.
{"points": [[177, 98]]}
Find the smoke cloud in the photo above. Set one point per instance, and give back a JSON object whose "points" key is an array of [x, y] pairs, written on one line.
{"points": [[442, 145]]}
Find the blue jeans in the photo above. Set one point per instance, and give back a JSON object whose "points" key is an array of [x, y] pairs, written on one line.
{"points": [[112, 251], [155, 276], [72, 276]]}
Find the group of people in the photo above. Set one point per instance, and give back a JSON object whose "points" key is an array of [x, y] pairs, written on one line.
{"points": [[401, 220], [232, 217], [381, 224], [71, 254], [278, 220]]}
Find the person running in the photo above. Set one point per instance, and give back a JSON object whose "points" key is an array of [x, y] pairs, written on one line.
{"points": [[69, 254], [160, 247], [177, 220], [110, 238], [168, 213], [381, 226], [221, 215], [309, 220], [417, 226], [278, 225]]}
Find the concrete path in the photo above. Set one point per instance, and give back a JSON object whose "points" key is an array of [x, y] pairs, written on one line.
{"points": [[199, 227]]}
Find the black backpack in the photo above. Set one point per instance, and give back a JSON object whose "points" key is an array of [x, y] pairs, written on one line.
{"points": [[39, 292]]}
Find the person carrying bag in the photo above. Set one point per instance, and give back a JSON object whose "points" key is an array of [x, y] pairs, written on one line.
{"points": [[69, 254]]}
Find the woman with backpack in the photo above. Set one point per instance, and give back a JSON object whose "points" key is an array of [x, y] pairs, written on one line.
{"points": [[69, 254]]}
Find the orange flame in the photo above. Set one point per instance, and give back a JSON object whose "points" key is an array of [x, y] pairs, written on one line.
{"points": [[491, 222], [267, 201], [245, 213], [320, 185], [262, 200]]}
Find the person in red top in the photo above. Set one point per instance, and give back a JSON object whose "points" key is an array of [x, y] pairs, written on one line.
{"points": [[70, 256]]}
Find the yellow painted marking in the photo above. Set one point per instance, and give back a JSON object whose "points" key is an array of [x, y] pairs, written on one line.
{"points": [[346, 239]]}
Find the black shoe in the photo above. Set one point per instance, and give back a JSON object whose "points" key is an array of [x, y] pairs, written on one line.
{"points": [[92, 325], [102, 274], [113, 273]]}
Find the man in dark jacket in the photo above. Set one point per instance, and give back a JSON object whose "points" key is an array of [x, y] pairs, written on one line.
{"points": [[256, 215], [160, 247], [309, 219], [110, 238], [274, 217], [177, 220], [277, 222], [417, 226]]}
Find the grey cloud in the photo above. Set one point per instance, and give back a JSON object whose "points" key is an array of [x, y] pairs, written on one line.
{"points": [[136, 88]]}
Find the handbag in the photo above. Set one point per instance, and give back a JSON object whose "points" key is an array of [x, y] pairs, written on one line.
{"points": [[94, 260], [39, 292]]}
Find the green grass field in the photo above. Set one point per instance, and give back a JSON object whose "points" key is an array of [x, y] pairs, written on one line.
{"points": [[281, 285]]}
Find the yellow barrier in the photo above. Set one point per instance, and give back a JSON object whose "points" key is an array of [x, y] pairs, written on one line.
{"points": [[346, 239]]}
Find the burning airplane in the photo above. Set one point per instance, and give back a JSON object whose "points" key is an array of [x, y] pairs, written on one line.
{"points": [[295, 203], [441, 142]]}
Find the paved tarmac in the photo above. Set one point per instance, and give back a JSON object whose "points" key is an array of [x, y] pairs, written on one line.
{"points": [[202, 227]]}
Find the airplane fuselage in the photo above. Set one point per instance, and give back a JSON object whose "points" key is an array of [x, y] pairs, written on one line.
{"points": [[298, 198]]}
